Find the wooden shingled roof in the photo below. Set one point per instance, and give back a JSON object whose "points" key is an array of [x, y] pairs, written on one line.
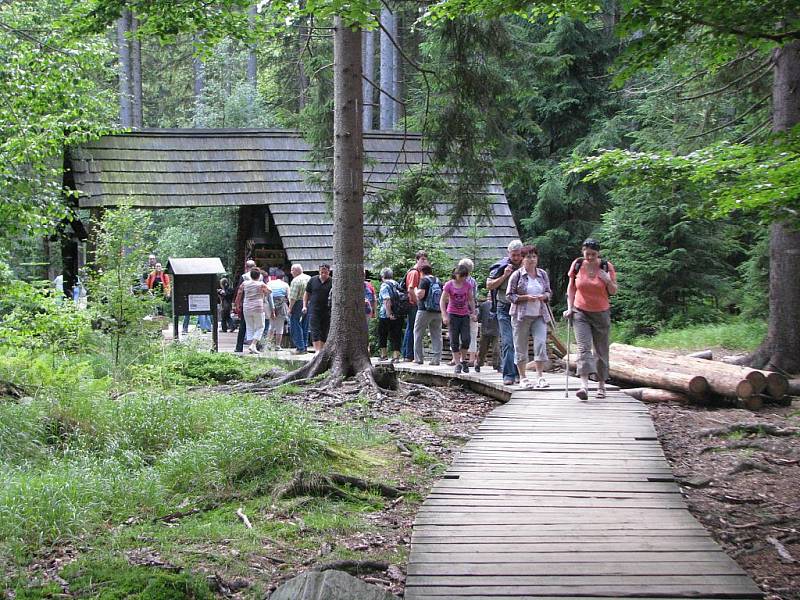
{"points": [[170, 168]]}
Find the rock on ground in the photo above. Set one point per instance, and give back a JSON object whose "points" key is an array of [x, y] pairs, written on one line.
{"points": [[329, 585]]}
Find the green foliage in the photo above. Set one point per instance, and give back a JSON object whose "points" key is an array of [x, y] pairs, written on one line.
{"points": [[35, 316], [122, 581], [52, 95], [195, 232], [725, 178], [396, 248], [186, 366], [119, 305], [672, 268]]}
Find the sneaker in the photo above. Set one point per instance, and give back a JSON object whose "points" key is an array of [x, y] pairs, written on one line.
{"points": [[419, 362], [541, 383], [477, 368], [508, 382], [582, 394], [464, 367], [525, 383], [516, 379], [458, 369]]}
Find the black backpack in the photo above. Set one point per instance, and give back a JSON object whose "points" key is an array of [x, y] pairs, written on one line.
{"points": [[399, 298], [579, 263]]}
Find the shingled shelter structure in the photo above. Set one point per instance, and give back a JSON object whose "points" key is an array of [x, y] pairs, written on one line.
{"points": [[283, 218]]}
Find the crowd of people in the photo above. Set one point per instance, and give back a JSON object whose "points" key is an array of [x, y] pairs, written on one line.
{"points": [[514, 312]]}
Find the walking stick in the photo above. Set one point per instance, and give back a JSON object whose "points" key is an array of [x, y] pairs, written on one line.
{"points": [[566, 360]]}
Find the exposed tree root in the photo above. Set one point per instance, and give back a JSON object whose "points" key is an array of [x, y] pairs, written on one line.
{"points": [[751, 428], [319, 364], [750, 465], [740, 445], [354, 567], [418, 388], [10, 390], [313, 484]]}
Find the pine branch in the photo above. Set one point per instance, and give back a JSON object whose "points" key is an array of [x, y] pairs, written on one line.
{"points": [[763, 67], [753, 108]]}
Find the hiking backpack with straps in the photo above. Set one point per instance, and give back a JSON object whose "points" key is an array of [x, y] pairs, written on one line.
{"points": [[431, 301], [399, 298], [579, 263]]}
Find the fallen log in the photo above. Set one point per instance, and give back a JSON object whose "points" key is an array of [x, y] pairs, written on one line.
{"points": [[704, 354], [775, 384], [735, 383], [794, 387], [654, 396], [695, 386]]}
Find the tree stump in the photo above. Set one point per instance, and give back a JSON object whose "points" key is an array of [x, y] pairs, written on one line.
{"points": [[385, 376]]}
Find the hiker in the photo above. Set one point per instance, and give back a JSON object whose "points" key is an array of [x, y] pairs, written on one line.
{"points": [[280, 309], [458, 308], [473, 323], [226, 293], [496, 284], [317, 306], [528, 292], [411, 284], [591, 281], [158, 283], [298, 322], [429, 316], [255, 291], [489, 334], [390, 325]]}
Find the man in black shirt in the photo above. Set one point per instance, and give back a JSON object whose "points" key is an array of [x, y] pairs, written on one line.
{"points": [[317, 307]]}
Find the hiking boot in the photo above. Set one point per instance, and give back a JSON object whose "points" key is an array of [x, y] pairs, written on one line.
{"points": [[457, 370], [477, 368], [464, 367]]}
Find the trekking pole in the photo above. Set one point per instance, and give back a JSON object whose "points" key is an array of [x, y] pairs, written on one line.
{"points": [[566, 360]]}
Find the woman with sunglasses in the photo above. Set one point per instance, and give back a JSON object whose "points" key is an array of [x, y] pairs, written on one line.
{"points": [[592, 281]]}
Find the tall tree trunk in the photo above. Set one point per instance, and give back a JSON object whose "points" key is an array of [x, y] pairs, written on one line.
{"points": [[387, 68], [199, 86], [303, 38], [396, 73], [252, 57], [781, 349], [369, 72], [124, 65], [345, 353], [137, 113]]}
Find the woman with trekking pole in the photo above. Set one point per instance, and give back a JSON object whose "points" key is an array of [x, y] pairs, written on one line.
{"points": [[592, 281]]}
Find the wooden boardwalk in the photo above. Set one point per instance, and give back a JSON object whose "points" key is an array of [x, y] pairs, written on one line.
{"points": [[558, 498], [554, 498]]}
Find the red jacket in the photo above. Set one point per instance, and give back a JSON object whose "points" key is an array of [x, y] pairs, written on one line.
{"points": [[151, 281]]}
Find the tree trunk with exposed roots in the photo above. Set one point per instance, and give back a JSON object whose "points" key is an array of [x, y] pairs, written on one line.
{"points": [[345, 354], [781, 349]]}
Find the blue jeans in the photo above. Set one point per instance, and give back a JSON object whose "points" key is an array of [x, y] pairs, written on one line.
{"points": [[506, 342], [298, 327], [408, 340]]}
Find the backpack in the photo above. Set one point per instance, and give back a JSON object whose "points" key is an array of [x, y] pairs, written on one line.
{"points": [[369, 297], [280, 304], [431, 302], [399, 298], [494, 272], [579, 262]]}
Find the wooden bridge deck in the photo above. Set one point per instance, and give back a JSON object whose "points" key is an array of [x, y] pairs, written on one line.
{"points": [[558, 498], [555, 498]]}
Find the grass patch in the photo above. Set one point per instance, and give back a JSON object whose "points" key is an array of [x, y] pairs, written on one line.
{"points": [[735, 336]]}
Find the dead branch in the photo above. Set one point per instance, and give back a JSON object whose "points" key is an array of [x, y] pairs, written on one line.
{"points": [[733, 121], [740, 445], [782, 551], [751, 428], [354, 567], [243, 517]]}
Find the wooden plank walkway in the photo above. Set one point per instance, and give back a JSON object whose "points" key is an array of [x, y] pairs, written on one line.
{"points": [[554, 498], [558, 498]]}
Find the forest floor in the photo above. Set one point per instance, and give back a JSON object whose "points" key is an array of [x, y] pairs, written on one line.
{"points": [[739, 472]]}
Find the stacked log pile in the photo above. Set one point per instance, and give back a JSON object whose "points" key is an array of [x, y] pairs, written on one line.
{"points": [[692, 379]]}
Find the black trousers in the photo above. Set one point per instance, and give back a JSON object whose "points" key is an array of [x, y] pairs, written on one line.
{"points": [[319, 323], [458, 328], [390, 330], [240, 336]]}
